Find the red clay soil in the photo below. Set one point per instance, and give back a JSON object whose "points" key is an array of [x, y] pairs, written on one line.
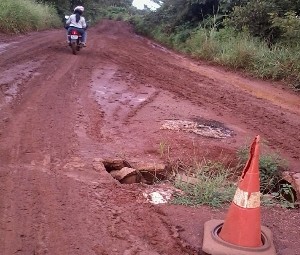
{"points": [[61, 113]]}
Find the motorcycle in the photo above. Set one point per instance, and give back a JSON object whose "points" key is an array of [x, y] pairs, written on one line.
{"points": [[74, 39]]}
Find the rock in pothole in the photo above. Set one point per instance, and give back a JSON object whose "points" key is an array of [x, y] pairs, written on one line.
{"points": [[136, 172]]}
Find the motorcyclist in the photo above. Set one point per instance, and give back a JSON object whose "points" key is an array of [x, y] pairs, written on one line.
{"points": [[78, 21]]}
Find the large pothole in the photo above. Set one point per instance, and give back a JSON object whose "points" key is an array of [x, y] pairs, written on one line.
{"points": [[287, 191], [199, 126], [136, 172]]}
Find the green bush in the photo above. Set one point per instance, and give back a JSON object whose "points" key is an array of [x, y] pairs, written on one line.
{"points": [[17, 16], [289, 26], [255, 16], [138, 22]]}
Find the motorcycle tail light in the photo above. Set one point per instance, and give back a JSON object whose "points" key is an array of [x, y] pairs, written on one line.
{"points": [[74, 32]]}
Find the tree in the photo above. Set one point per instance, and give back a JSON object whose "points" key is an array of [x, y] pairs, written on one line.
{"points": [[256, 16]]}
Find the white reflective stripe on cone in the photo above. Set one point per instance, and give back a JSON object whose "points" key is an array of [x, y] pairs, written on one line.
{"points": [[246, 200]]}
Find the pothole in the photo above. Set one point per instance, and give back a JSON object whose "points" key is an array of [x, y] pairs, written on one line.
{"points": [[283, 193], [136, 172], [199, 126], [286, 190]]}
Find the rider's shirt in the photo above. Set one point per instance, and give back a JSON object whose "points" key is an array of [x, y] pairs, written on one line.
{"points": [[72, 22]]}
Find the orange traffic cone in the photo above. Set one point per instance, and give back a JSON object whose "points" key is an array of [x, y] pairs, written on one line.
{"points": [[241, 232], [242, 225]]}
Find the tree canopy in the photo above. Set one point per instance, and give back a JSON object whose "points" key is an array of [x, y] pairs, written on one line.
{"points": [[91, 6], [262, 18]]}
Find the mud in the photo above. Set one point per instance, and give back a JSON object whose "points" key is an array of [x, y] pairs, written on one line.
{"points": [[62, 115]]}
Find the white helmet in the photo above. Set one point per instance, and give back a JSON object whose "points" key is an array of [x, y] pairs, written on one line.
{"points": [[79, 8]]}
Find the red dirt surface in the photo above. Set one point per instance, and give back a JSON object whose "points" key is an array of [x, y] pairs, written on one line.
{"points": [[61, 113]]}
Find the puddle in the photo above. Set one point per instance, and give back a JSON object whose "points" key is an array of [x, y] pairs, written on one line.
{"points": [[115, 97], [3, 46], [11, 79], [207, 128]]}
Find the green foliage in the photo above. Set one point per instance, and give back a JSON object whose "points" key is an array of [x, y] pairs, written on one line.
{"points": [[274, 190], [284, 196], [278, 63], [212, 186], [213, 183], [238, 50], [17, 16], [62, 6], [268, 20], [255, 16], [175, 13], [289, 26], [138, 22], [114, 12], [270, 166], [225, 46], [94, 9], [259, 36]]}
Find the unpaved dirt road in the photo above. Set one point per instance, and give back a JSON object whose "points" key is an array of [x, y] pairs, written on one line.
{"points": [[61, 114]]}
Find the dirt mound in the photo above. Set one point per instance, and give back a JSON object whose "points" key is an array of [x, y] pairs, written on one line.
{"points": [[114, 28]]}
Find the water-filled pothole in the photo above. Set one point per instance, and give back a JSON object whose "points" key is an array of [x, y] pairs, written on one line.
{"points": [[199, 126], [138, 172]]}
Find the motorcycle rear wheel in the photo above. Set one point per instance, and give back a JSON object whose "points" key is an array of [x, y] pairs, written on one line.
{"points": [[74, 48]]}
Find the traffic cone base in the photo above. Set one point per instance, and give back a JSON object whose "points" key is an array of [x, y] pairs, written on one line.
{"points": [[214, 245]]}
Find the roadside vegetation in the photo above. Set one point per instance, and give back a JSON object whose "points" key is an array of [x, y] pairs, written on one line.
{"points": [[18, 16], [204, 182], [95, 10], [213, 183], [260, 37]]}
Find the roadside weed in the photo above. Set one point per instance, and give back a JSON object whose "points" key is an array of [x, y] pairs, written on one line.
{"points": [[270, 167], [213, 183], [210, 185], [164, 149], [274, 190]]}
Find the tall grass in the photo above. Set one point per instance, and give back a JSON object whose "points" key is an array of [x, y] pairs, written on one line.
{"points": [[238, 50], [17, 16], [242, 51], [211, 186]]}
